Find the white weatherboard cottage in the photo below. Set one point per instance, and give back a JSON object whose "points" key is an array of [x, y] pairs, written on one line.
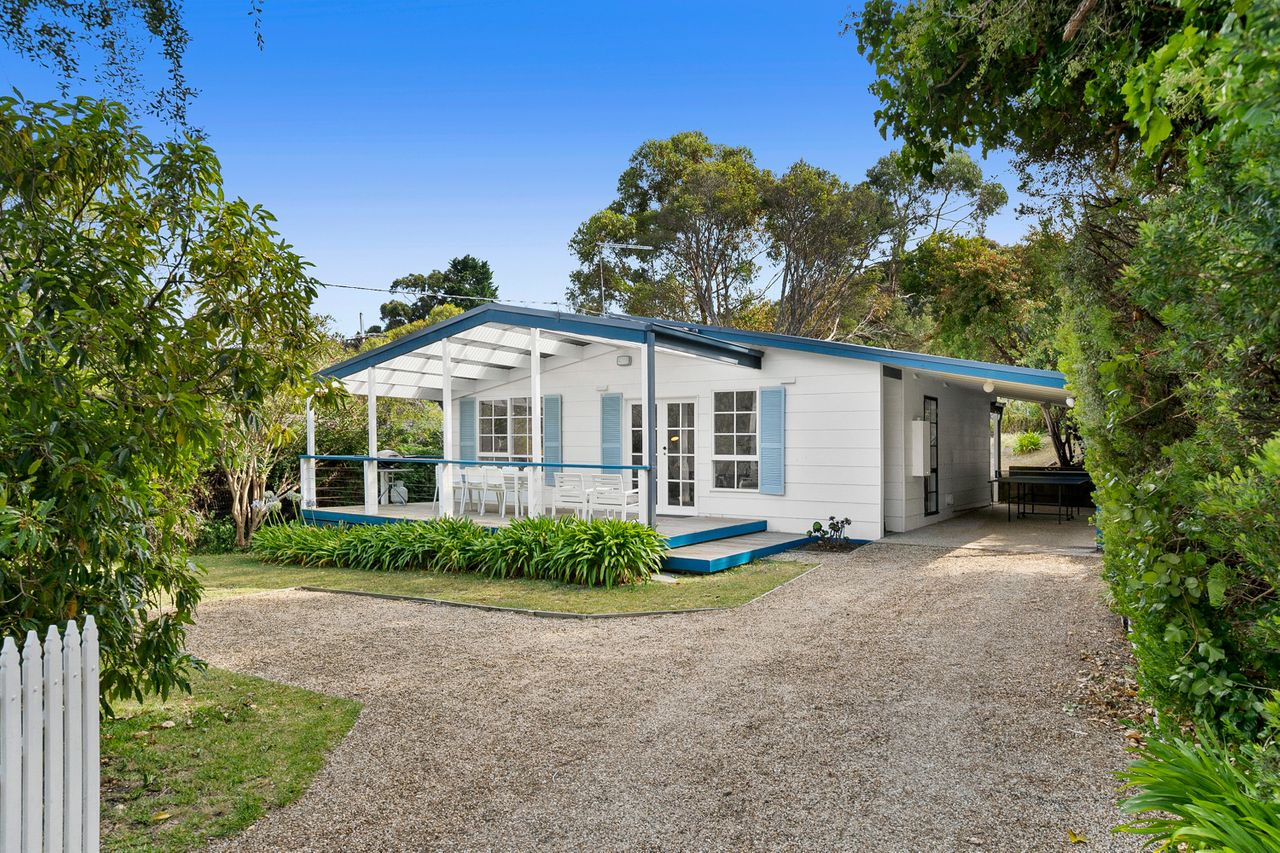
{"points": [[734, 442]]}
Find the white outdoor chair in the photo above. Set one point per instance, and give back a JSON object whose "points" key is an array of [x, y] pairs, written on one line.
{"points": [[493, 481], [513, 478], [459, 487], [570, 492], [610, 495]]}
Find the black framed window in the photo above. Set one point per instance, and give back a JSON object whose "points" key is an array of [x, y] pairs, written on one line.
{"points": [[931, 481]]}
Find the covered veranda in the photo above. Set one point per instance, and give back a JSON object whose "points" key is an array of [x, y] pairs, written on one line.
{"points": [[505, 346]]}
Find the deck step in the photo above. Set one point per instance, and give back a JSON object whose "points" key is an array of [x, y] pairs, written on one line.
{"points": [[721, 554], [706, 530]]}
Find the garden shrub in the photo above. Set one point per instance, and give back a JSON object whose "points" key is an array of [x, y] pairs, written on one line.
{"points": [[604, 552], [1206, 796], [521, 550], [599, 552], [215, 536], [1027, 442]]}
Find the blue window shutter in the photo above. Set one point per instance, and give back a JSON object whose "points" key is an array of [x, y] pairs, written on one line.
{"points": [[467, 429], [773, 440], [551, 431], [611, 429]]}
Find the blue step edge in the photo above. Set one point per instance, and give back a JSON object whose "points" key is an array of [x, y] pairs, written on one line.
{"points": [[700, 536], [701, 565]]}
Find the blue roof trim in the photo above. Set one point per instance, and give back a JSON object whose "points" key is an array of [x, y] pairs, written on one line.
{"points": [[708, 341], [915, 360], [628, 329]]}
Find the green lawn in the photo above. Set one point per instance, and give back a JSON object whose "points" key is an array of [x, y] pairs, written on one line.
{"points": [[239, 574], [176, 774]]}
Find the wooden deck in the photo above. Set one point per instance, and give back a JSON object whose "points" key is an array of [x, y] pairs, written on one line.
{"points": [[679, 531]]}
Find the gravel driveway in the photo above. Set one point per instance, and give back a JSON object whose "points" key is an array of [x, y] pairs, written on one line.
{"points": [[897, 698]]}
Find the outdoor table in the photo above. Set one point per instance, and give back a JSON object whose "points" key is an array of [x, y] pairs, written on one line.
{"points": [[1022, 484]]}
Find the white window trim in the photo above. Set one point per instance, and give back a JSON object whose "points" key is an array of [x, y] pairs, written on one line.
{"points": [[510, 455], [734, 457]]}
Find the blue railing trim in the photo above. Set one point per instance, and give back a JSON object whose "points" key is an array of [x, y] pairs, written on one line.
{"points": [[422, 460]]}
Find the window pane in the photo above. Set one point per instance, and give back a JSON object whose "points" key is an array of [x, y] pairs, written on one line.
{"points": [[637, 416], [724, 445], [687, 441], [499, 426], [673, 467], [673, 414], [500, 407], [520, 444], [745, 423], [486, 408], [673, 493], [500, 444], [686, 494], [746, 401], [723, 423], [686, 415], [723, 474], [748, 475], [486, 444], [519, 405], [746, 445], [723, 401]]}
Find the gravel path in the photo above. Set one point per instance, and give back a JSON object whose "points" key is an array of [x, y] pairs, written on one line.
{"points": [[897, 698]]}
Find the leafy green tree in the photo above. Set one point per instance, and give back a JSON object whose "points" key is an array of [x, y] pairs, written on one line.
{"points": [[822, 233], [698, 204], [994, 303], [137, 298], [465, 283]]}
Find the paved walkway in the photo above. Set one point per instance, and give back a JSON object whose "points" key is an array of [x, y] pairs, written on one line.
{"points": [[990, 529], [897, 698]]}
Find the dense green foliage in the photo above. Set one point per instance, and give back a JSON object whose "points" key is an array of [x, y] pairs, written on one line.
{"points": [[1173, 118], [133, 292], [710, 218], [599, 552], [465, 283], [1206, 796], [1027, 442]]}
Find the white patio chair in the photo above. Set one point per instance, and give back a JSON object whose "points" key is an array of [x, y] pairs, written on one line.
{"points": [[459, 487], [570, 492], [516, 483], [492, 481], [610, 495]]}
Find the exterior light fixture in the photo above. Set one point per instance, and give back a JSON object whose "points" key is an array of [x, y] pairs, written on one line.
{"points": [[988, 386], [624, 361]]}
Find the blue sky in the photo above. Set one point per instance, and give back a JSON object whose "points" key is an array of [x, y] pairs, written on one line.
{"points": [[388, 137]]}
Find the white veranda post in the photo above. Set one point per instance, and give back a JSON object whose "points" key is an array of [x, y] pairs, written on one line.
{"points": [[648, 478], [536, 478], [445, 471], [308, 474], [371, 465]]}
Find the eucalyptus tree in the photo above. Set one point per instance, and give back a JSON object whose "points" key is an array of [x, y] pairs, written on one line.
{"points": [[698, 206], [822, 234]]}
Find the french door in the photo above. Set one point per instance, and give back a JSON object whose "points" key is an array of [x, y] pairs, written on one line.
{"points": [[676, 458]]}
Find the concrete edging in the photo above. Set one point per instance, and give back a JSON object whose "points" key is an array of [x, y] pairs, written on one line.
{"points": [[550, 614]]}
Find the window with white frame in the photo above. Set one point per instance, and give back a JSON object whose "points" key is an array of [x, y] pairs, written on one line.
{"points": [[735, 462], [505, 429]]}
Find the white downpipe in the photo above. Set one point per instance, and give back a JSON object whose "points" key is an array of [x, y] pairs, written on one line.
{"points": [[536, 478], [371, 467], [446, 427]]}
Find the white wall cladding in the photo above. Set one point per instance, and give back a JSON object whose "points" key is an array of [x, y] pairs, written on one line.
{"points": [[894, 431], [964, 449], [833, 453]]}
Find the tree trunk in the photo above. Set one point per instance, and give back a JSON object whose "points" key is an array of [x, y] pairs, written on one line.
{"points": [[1055, 435]]}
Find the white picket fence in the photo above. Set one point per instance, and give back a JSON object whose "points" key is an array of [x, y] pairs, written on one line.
{"points": [[49, 747]]}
